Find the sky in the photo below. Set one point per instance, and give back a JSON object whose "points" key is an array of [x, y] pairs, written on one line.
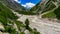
{"points": [[28, 3]]}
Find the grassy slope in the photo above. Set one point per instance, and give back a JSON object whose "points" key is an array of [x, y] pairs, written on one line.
{"points": [[55, 13], [49, 15]]}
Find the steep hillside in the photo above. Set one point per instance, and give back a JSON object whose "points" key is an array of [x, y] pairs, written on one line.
{"points": [[46, 5], [36, 8], [53, 11], [12, 4], [6, 16], [49, 5]]}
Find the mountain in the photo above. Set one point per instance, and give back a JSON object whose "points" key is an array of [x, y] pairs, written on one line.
{"points": [[49, 5], [51, 9], [46, 5], [12, 4], [35, 8]]}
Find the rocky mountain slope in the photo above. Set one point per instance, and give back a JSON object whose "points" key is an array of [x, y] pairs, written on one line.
{"points": [[45, 5], [12, 4]]}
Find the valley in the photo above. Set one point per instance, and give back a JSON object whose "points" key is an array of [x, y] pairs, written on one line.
{"points": [[44, 18]]}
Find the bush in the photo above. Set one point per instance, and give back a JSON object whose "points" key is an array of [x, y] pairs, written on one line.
{"points": [[10, 29]]}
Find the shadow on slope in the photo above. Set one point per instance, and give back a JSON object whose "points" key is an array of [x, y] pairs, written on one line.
{"points": [[57, 12]]}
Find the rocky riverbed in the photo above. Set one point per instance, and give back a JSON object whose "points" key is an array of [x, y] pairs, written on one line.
{"points": [[42, 25]]}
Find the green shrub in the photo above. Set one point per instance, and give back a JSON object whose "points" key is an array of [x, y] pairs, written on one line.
{"points": [[10, 29]]}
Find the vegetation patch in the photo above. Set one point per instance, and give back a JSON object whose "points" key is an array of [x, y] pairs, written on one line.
{"points": [[26, 12], [49, 15]]}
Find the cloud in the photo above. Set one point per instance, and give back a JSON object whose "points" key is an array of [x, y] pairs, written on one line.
{"points": [[28, 5], [18, 1]]}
